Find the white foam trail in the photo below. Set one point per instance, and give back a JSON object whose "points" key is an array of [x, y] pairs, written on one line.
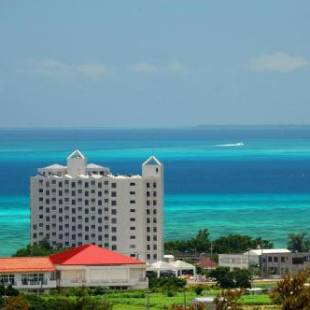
{"points": [[238, 144]]}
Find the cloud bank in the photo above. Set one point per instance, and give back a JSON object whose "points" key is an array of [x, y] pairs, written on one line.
{"points": [[144, 67], [56, 68], [279, 62]]}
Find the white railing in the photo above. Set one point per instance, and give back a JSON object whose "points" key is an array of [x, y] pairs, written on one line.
{"points": [[35, 284]]}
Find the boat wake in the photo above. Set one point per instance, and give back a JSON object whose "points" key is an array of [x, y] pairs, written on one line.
{"points": [[238, 144]]}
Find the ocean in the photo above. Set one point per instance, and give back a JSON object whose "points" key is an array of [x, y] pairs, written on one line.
{"points": [[229, 179]]}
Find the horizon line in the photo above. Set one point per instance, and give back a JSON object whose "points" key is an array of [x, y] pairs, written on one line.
{"points": [[198, 126]]}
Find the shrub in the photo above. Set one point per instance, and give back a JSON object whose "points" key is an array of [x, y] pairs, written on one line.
{"points": [[228, 299], [100, 290], [36, 302], [16, 303], [165, 282], [2, 290], [58, 303], [11, 291], [198, 290], [170, 293], [199, 306], [292, 293]]}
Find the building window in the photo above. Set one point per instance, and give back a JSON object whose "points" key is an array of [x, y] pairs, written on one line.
{"points": [[113, 185]]}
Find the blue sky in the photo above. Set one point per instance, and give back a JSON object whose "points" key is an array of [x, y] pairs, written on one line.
{"points": [[161, 63]]}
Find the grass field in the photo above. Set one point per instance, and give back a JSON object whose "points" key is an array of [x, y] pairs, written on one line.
{"points": [[159, 301]]}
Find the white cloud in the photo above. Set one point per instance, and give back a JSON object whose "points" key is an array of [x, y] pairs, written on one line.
{"points": [[279, 61], [144, 67], [56, 68], [92, 70]]}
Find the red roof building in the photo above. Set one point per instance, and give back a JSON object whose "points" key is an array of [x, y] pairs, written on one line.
{"points": [[26, 264], [86, 265], [206, 262], [92, 255]]}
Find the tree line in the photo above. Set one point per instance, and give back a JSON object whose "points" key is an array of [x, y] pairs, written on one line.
{"points": [[233, 243], [200, 243]]}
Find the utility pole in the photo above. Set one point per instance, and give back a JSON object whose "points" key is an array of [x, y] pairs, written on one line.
{"points": [[184, 295], [147, 300]]}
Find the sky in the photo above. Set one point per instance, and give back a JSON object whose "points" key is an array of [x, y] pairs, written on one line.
{"points": [[160, 63]]}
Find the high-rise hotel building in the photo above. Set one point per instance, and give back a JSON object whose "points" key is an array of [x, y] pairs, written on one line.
{"points": [[85, 203]]}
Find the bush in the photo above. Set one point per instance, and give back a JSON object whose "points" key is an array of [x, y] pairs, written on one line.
{"points": [[16, 303], [167, 282], [228, 299], [230, 279], [170, 293], [198, 290], [36, 302], [62, 303], [11, 291], [98, 291], [2, 290]]}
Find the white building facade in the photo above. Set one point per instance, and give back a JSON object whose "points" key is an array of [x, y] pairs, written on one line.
{"points": [[85, 203]]}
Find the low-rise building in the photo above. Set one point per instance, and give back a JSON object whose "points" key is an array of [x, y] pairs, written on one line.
{"points": [[87, 265], [234, 261], [270, 263]]}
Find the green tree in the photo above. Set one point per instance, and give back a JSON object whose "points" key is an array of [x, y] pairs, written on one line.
{"points": [[298, 242], [224, 277], [200, 243], [233, 243], [242, 278], [239, 278], [41, 249], [238, 244]]}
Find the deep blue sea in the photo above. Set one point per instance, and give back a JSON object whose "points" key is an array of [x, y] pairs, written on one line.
{"points": [[250, 180]]}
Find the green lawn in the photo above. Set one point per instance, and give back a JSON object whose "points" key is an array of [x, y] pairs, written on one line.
{"points": [[159, 300], [256, 300], [136, 300]]}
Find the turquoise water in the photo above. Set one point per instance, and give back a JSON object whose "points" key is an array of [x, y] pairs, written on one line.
{"points": [[230, 180]]}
